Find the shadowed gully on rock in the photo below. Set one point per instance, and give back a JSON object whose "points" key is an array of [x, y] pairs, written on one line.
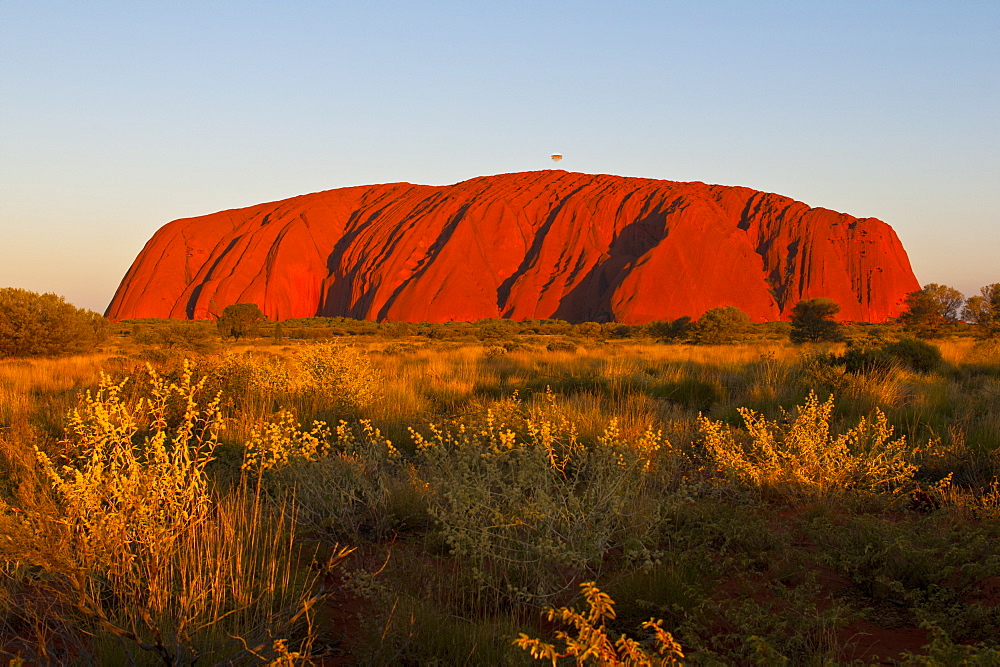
{"points": [[544, 244]]}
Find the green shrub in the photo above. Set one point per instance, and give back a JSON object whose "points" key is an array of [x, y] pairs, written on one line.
{"points": [[34, 324], [812, 321], [344, 480], [496, 329], [174, 334], [670, 331], [240, 320], [524, 514], [865, 360], [587, 330], [917, 355], [561, 346], [720, 326], [912, 354]]}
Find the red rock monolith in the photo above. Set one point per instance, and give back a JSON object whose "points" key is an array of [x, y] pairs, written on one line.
{"points": [[544, 244]]}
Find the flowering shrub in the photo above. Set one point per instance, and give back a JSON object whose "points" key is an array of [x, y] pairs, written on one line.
{"points": [[799, 455], [341, 478], [141, 547], [275, 444], [239, 373], [344, 374], [133, 480]]}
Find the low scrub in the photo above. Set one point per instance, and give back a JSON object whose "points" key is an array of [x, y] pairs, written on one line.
{"points": [[527, 512], [162, 521], [33, 325]]}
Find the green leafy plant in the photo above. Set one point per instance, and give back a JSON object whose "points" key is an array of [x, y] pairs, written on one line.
{"points": [[34, 324], [525, 514], [720, 326], [813, 321], [343, 479]]}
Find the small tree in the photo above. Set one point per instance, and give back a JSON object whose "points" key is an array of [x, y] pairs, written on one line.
{"points": [[922, 317], [670, 331], [813, 321], [720, 326], [949, 301], [930, 308], [240, 320], [33, 324], [983, 310]]}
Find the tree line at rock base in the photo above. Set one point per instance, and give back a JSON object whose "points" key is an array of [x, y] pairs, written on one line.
{"points": [[34, 324]]}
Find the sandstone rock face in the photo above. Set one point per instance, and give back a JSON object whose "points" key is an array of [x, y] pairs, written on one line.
{"points": [[547, 244]]}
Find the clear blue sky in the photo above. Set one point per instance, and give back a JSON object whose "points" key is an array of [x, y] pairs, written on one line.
{"points": [[117, 117]]}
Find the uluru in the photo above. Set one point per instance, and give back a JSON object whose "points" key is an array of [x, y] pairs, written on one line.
{"points": [[532, 245]]}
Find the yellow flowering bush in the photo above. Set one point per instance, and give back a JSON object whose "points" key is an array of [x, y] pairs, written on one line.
{"points": [[344, 374], [274, 444], [799, 454], [133, 478], [239, 373], [341, 477]]}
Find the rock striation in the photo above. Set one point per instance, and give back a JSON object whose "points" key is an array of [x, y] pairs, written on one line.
{"points": [[543, 244]]}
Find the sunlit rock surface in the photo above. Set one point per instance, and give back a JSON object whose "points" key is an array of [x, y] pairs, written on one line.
{"points": [[544, 244]]}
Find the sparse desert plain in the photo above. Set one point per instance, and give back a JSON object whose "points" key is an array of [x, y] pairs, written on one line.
{"points": [[339, 491]]}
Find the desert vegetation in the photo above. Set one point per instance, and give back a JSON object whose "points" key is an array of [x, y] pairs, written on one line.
{"points": [[332, 491]]}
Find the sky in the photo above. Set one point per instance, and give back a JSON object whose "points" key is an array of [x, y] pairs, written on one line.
{"points": [[118, 117]]}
